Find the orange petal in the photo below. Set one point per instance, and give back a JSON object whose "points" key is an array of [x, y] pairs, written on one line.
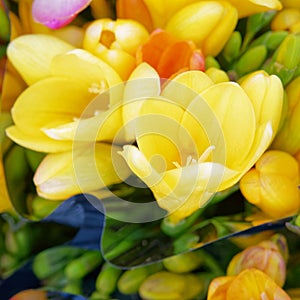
{"points": [[197, 61], [175, 58], [151, 51]]}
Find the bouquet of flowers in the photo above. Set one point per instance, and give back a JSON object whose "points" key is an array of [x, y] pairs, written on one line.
{"points": [[173, 126]]}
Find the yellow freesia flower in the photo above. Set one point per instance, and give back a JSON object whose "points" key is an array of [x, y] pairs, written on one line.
{"points": [[82, 169], [115, 42], [198, 137], [73, 97], [249, 284], [288, 137], [273, 184], [62, 86]]}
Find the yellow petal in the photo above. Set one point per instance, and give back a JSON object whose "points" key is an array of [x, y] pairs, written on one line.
{"points": [[118, 59], [85, 170], [260, 144], [233, 112], [278, 162], [157, 131], [194, 22], [82, 65], [184, 87], [217, 38], [32, 55], [50, 102], [5, 203], [143, 82], [250, 7], [207, 23], [129, 35], [256, 285], [140, 166], [192, 186], [266, 95], [37, 141], [218, 287], [104, 126], [162, 11]]}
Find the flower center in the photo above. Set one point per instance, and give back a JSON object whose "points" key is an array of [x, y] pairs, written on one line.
{"points": [[190, 160], [107, 38]]}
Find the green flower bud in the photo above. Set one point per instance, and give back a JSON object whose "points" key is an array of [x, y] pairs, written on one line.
{"points": [[271, 39], [251, 60], [232, 48], [4, 26], [286, 59]]}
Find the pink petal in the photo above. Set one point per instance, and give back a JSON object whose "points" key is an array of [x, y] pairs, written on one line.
{"points": [[57, 13]]}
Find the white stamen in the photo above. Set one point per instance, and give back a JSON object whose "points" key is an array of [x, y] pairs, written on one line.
{"points": [[97, 88], [206, 153]]}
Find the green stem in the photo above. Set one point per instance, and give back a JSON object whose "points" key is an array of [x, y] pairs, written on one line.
{"points": [[212, 264]]}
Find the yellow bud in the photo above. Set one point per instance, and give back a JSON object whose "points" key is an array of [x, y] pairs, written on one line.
{"points": [[265, 256], [217, 75], [273, 184], [115, 42], [287, 139], [183, 263], [167, 285], [286, 18], [209, 24]]}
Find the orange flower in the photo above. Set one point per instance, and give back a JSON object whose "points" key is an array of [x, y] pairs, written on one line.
{"points": [[249, 284], [169, 55]]}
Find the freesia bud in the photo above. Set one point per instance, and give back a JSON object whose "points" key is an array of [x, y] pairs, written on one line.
{"points": [[270, 39], [217, 75], [115, 42], [251, 60], [285, 60], [184, 262], [265, 256], [273, 184], [4, 25], [167, 285], [285, 19], [249, 284], [287, 139], [231, 49], [208, 24]]}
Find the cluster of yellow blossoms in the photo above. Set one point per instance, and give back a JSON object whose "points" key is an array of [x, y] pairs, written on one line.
{"points": [[132, 96]]}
